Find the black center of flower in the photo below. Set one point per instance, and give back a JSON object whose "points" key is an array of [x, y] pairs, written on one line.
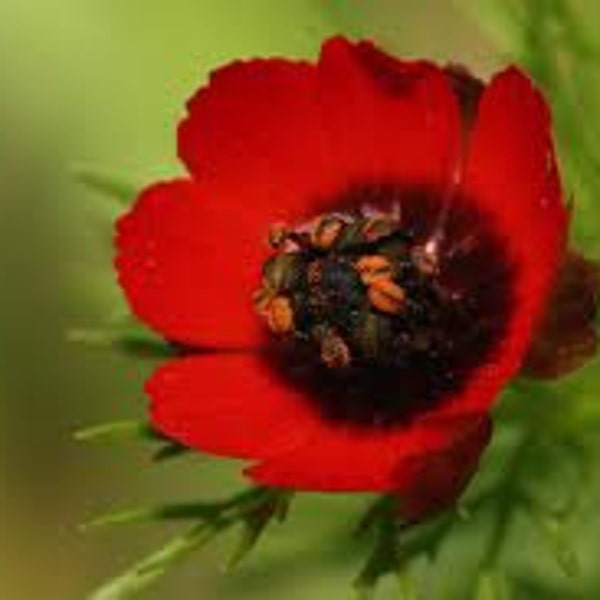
{"points": [[388, 306]]}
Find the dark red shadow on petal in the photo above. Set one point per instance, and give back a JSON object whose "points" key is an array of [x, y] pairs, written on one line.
{"points": [[429, 353], [567, 337], [433, 482]]}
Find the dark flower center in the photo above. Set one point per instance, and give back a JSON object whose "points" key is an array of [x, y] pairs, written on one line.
{"points": [[388, 306]]}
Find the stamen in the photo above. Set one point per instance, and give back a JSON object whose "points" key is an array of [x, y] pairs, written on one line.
{"points": [[335, 353], [378, 228], [280, 315], [439, 230], [262, 298], [371, 266], [386, 296], [377, 313], [327, 232], [278, 234]]}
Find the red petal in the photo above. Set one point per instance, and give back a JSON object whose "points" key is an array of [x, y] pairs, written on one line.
{"points": [[511, 173], [189, 265], [256, 130], [388, 120], [234, 405], [227, 404], [343, 458], [286, 134]]}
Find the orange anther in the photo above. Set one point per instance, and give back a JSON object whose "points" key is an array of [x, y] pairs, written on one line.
{"points": [[371, 266], [262, 297], [376, 228], [326, 232], [278, 234], [280, 315], [386, 296]]}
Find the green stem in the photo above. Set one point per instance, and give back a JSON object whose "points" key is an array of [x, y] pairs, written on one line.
{"points": [[149, 570]]}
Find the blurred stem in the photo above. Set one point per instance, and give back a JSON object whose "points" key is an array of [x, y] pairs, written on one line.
{"points": [[504, 501]]}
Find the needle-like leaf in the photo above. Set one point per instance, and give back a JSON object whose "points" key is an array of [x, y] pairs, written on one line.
{"points": [[152, 568], [112, 186]]}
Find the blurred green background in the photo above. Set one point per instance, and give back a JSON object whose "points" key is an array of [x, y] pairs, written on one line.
{"points": [[85, 82]]}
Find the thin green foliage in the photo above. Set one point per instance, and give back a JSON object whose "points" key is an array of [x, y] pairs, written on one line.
{"points": [[253, 509], [155, 566], [118, 190], [116, 431]]}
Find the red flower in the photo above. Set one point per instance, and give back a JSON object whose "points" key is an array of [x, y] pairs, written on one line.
{"points": [[415, 233]]}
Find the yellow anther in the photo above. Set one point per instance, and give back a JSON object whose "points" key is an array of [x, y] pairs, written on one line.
{"points": [[280, 315], [371, 266], [386, 296]]}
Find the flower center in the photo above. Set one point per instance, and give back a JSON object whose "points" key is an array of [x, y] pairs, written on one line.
{"points": [[375, 314]]}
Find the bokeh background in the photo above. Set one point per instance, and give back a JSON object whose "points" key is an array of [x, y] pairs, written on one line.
{"points": [[102, 84]]}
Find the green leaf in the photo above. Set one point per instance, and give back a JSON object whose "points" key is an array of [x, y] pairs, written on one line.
{"points": [[237, 508], [554, 531], [364, 591], [384, 560], [255, 522], [407, 586], [158, 564], [492, 585], [106, 184], [117, 431], [131, 340], [205, 511], [378, 509], [252, 529], [169, 451], [284, 503]]}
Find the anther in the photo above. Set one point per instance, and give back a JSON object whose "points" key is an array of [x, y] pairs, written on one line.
{"points": [[262, 298], [376, 228], [280, 315], [326, 232], [278, 234], [386, 296], [371, 266], [279, 271], [334, 351]]}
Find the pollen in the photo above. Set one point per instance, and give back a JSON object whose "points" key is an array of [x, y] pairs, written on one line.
{"points": [[386, 296], [335, 353], [278, 234], [326, 232], [380, 308], [371, 267], [333, 283], [280, 315]]}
